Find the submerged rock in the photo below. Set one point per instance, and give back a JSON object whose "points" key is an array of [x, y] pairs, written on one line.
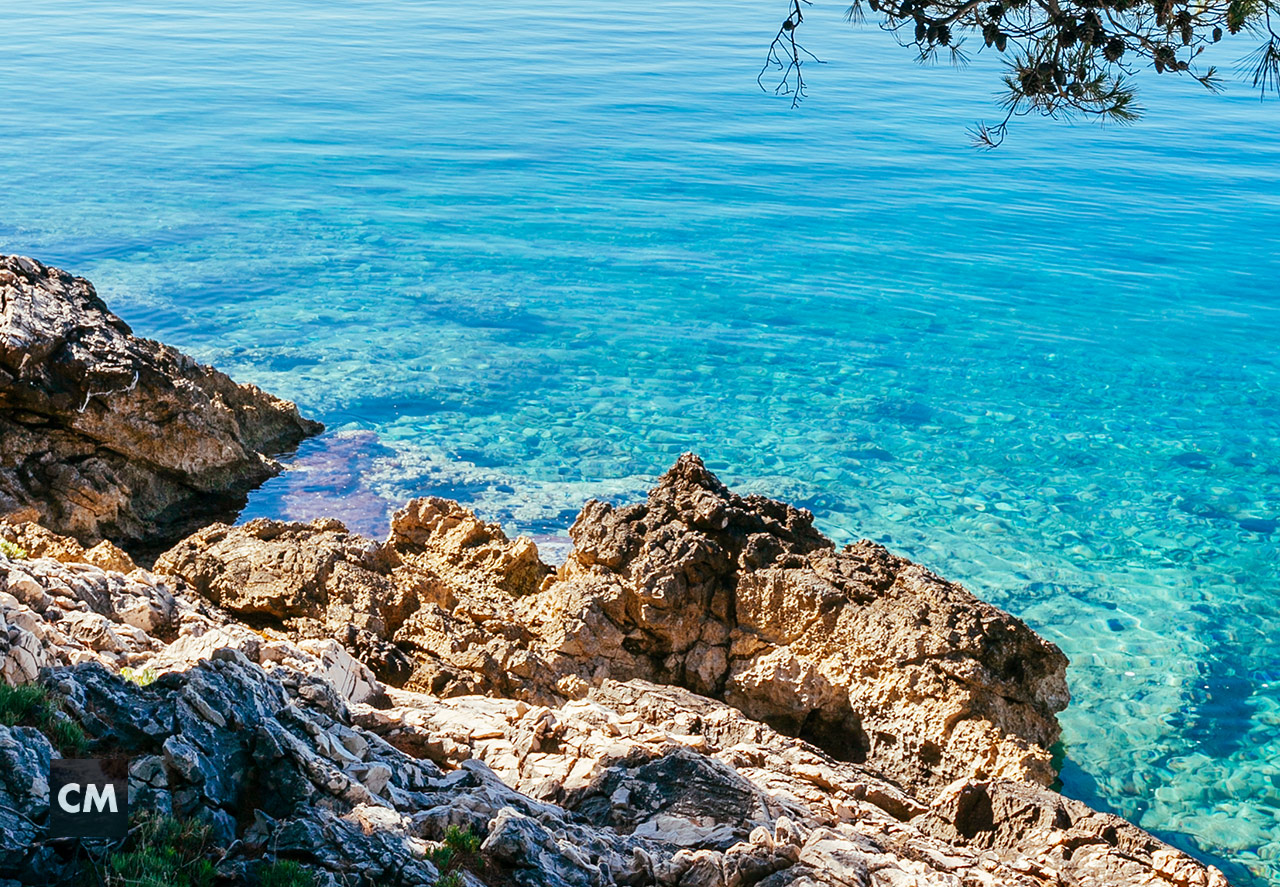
{"points": [[106, 435]]}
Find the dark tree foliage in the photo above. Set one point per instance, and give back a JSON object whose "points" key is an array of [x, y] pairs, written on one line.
{"points": [[1063, 57]]}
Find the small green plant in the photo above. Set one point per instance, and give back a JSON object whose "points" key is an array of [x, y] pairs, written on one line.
{"points": [[20, 704], [67, 737], [458, 849], [285, 873], [462, 840], [141, 678], [154, 867], [441, 857], [13, 550], [31, 705], [162, 852]]}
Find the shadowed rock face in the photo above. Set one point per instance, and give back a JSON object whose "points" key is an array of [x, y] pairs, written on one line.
{"points": [[105, 435], [867, 655]]}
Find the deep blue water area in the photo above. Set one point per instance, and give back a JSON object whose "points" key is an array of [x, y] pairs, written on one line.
{"points": [[523, 254]]}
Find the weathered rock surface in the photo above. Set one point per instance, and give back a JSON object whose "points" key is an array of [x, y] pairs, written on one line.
{"points": [[869, 656], [697, 775], [105, 435], [432, 608], [24, 789], [293, 748], [36, 541]]}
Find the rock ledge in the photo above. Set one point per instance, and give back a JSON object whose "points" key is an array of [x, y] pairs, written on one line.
{"points": [[105, 435]]}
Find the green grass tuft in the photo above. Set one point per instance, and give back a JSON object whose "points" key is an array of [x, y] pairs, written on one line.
{"points": [[457, 851], [285, 873], [162, 852], [22, 704], [441, 857], [462, 841], [157, 867], [67, 737], [31, 705]]}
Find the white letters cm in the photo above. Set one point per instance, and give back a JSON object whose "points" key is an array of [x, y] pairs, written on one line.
{"points": [[103, 798]]}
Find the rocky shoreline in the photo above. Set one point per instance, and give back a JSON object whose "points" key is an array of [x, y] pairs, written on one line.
{"points": [[707, 693], [104, 435]]}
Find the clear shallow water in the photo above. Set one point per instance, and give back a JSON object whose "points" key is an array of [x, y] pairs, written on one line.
{"points": [[524, 257]]}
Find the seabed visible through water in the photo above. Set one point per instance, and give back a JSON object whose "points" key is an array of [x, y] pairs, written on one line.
{"points": [[522, 259]]}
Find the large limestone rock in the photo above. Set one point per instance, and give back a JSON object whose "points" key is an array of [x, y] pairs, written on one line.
{"points": [[1067, 836], [866, 654], [439, 537], [312, 579], [57, 613], [105, 435], [36, 541], [54, 613], [442, 589]]}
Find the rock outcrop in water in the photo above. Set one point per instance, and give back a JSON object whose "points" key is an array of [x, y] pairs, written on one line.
{"points": [[865, 654], [293, 749], [105, 435], [707, 694]]}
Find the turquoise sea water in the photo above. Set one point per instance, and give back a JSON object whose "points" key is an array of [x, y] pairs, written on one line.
{"points": [[523, 254]]}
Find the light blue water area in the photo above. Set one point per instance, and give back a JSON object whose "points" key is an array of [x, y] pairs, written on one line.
{"points": [[524, 253]]}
